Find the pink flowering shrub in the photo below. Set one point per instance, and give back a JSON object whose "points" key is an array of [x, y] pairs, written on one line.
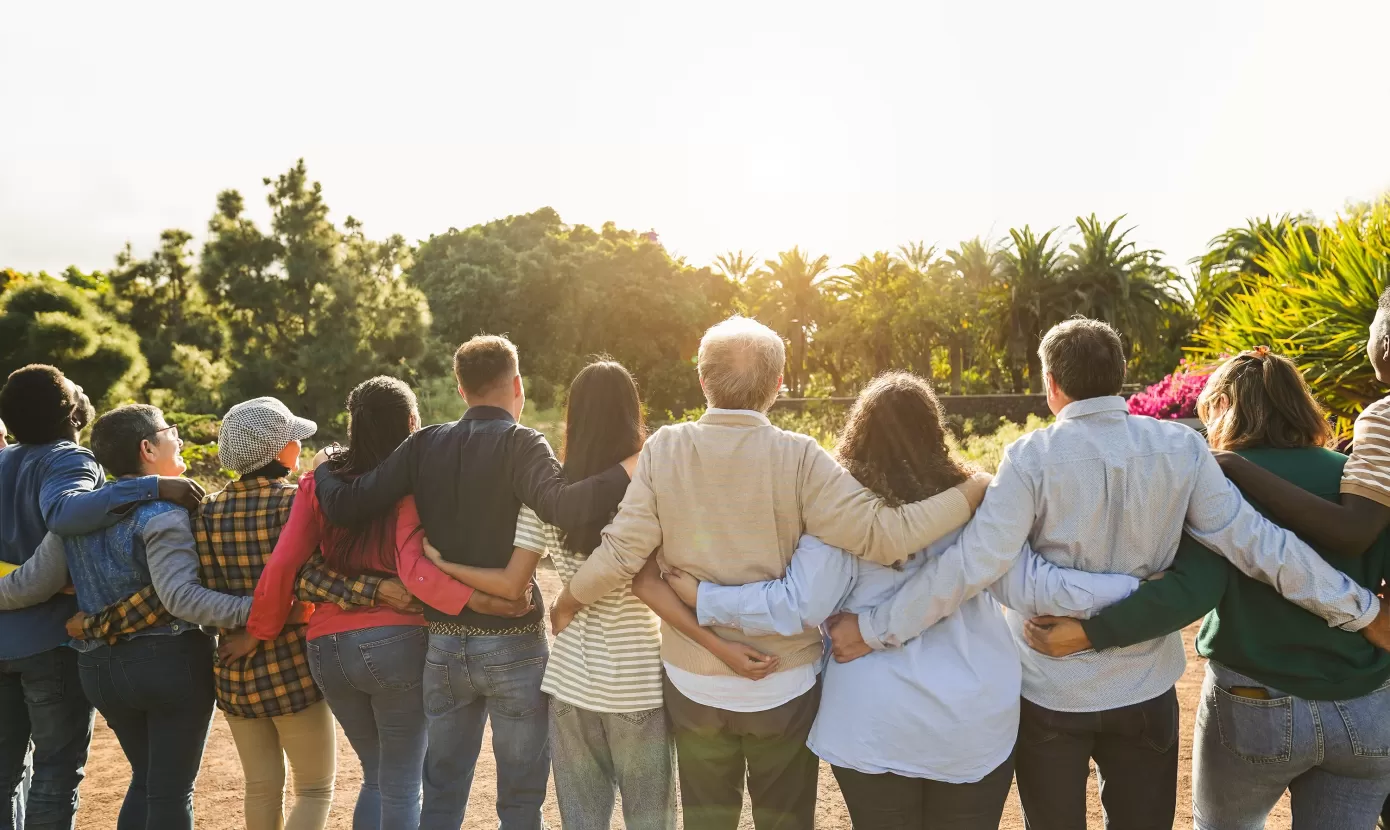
{"points": [[1173, 397]]}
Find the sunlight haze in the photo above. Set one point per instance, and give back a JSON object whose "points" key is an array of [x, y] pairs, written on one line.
{"points": [[840, 127]]}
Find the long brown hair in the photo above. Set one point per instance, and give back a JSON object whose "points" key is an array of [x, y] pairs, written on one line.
{"points": [[381, 412], [1267, 404], [603, 425], [894, 442]]}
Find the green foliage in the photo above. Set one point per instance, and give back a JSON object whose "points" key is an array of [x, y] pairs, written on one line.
{"points": [[984, 451], [161, 298], [312, 310], [566, 293], [43, 320], [1312, 298]]}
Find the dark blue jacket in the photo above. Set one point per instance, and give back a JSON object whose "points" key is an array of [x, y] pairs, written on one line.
{"points": [[55, 487]]}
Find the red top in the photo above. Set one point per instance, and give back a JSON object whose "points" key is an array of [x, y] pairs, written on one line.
{"points": [[298, 541]]}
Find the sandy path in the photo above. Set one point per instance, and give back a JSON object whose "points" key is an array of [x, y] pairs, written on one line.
{"points": [[218, 796]]}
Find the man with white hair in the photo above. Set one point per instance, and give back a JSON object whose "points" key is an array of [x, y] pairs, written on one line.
{"points": [[726, 499]]}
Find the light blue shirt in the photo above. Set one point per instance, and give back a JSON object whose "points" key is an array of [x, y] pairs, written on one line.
{"points": [[1103, 491], [945, 705]]}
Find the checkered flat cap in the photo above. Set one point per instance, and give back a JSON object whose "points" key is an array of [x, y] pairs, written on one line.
{"points": [[254, 432]]}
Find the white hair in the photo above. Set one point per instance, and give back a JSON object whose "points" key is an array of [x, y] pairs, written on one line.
{"points": [[741, 364]]}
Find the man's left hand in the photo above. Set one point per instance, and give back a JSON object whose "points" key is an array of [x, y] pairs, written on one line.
{"points": [[845, 640], [1056, 636]]}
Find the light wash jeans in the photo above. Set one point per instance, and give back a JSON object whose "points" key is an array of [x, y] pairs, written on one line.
{"points": [[467, 680], [594, 753], [1332, 756], [371, 679]]}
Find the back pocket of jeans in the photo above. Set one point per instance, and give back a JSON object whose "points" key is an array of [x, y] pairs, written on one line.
{"points": [[439, 693], [395, 662], [1258, 731], [1367, 719], [516, 687]]}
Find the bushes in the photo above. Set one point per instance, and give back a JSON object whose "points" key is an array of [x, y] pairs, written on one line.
{"points": [[43, 320], [1314, 305], [1173, 397]]}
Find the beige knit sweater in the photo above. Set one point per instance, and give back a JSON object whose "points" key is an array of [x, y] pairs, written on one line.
{"points": [[726, 498]]}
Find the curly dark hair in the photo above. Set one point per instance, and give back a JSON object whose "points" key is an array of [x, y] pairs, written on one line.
{"points": [[37, 404], [894, 442]]}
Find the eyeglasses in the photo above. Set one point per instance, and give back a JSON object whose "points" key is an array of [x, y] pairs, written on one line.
{"points": [[173, 430]]}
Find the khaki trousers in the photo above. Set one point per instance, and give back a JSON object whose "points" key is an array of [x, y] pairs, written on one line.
{"points": [[309, 740]]}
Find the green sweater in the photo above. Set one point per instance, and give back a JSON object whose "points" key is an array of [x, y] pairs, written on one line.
{"points": [[1250, 627]]}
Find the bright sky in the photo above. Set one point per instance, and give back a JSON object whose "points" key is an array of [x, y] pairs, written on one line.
{"points": [[843, 127]]}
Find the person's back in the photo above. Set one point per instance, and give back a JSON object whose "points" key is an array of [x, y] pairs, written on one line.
{"points": [[1112, 493], [1255, 631], [23, 470]]}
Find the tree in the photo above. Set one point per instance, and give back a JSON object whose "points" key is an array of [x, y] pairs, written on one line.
{"points": [[43, 320], [969, 272], [565, 293], [789, 299], [1314, 303], [161, 297], [1232, 264], [1108, 277], [312, 310], [1026, 299]]}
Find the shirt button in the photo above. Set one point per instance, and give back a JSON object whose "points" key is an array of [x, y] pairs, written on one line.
{"points": [[911, 556]]}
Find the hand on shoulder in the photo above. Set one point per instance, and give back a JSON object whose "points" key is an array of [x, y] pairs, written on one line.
{"points": [[974, 488]]}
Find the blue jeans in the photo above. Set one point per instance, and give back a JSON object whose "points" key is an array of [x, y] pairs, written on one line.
{"points": [[41, 698], [371, 680], [596, 753], [156, 694], [466, 680], [1332, 756]]}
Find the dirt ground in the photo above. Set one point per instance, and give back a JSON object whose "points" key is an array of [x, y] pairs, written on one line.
{"points": [[218, 796]]}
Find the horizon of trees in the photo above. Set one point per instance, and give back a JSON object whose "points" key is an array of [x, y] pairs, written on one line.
{"points": [[304, 309]]}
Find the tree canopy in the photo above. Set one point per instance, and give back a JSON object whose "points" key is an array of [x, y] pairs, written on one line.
{"points": [[305, 307]]}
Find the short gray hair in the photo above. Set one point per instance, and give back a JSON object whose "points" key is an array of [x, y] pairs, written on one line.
{"points": [[741, 363]]}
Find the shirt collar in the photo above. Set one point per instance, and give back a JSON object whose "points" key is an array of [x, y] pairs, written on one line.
{"points": [[487, 413], [1093, 406], [745, 415]]}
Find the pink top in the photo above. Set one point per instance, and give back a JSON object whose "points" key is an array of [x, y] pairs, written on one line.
{"points": [[298, 541]]}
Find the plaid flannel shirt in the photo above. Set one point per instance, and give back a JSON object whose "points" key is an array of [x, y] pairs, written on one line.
{"points": [[143, 609]]}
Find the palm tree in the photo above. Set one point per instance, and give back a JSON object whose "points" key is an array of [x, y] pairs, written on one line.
{"points": [[1234, 260], [791, 300], [1026, 298], [1109, 277], [736, 266], [970, 271]]}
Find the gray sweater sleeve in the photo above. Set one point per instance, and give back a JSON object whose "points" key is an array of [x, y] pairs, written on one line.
{"points": [[172, 556], [40, 578]]}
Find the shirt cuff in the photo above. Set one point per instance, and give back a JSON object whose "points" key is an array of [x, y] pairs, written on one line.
{"points": [[1367, 618], [867, 632], [711, 610], [142, 489]]}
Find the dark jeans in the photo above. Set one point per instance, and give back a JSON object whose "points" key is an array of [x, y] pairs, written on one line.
{"points": [[467, 680], [41, 698], [371, 680], [896, 802], [715, 746], [1136, 753], [156, 694]]}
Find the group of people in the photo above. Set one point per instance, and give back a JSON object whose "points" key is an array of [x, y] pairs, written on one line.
{"points": [[984, 630]]}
